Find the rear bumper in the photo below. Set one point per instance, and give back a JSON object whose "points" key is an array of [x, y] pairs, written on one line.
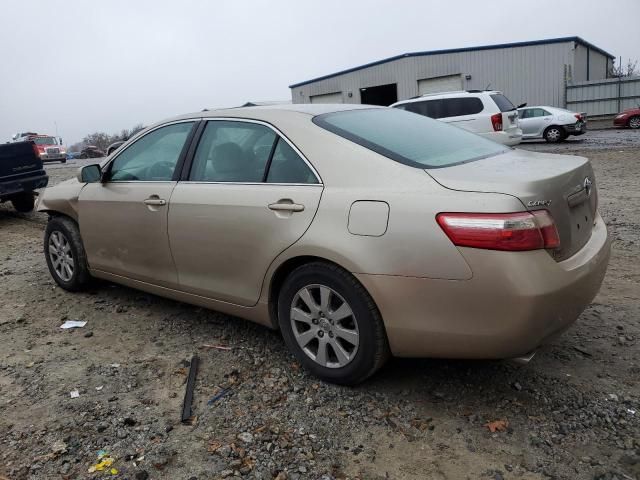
{"points": [[515, 302], [25, 184], [574, 129], [509, 138]]}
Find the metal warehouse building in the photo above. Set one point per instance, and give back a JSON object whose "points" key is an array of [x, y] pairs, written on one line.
{"points": [[534, 72]]}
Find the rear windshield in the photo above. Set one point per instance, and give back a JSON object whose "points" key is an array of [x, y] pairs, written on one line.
{"points": [[44, 141], [409, 138], [503, 103]]}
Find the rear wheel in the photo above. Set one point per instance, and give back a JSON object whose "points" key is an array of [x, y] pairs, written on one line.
{"points": [[554, 134], [331, 324], [23, 202], [65, 254], [64, 160], [634, 122]]}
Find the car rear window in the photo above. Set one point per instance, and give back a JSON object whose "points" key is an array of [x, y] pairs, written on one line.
{"points": [[408, 138], [503, 103]]}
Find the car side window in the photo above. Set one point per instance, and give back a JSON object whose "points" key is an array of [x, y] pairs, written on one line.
{"points": [[231, 151], [287, 166], [526, 113], [544, 112], [153, 157]]}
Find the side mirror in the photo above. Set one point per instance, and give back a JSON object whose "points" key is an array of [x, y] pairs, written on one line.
{"points": [[89, 174], [522, 105], [60, 140]]}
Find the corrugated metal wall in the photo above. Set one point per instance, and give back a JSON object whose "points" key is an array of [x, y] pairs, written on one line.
{"points": [[533, 74], [604, 97]]}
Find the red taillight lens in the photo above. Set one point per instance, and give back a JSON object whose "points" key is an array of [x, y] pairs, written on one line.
{"points": [[578, 116], [496, 121], [501, 231], [35, 149]]}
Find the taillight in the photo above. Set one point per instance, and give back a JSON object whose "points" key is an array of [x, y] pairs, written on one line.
{"points": [[578, 116], [35, 150], [496, 121], [501, 231]]}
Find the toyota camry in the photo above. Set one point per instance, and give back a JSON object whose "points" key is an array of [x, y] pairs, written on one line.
{"points": [[359, 232]]}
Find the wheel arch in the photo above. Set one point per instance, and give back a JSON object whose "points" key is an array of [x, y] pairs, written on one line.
{"points": [[283, 270]]}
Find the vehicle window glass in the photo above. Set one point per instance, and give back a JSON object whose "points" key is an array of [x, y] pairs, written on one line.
{"points": [[543, 112], [287, 166], [154, 156], [410, 139], [232, 152], [503, 103], [428, 108], [457, 107], [526, 113], [45, 141]]}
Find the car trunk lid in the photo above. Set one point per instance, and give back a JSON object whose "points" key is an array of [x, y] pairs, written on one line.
{"points": [[564, 185]]}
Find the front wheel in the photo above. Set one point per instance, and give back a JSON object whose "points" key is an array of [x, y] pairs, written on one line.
{"points": [[331, 324], [634, 122], [554, 134], [66, 258], [23, 202]]}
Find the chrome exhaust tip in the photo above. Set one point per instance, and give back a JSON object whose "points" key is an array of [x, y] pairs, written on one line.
{"points": [[523, 360]]}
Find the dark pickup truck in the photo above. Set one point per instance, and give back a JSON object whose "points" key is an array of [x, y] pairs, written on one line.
{"points": [[21, 173]]}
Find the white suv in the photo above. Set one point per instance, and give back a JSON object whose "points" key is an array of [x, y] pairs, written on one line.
{"points": [[485, 112]]}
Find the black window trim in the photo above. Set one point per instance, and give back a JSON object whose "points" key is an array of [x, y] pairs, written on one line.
{"points": [[319, 121], [106, 170], [186, 170]]}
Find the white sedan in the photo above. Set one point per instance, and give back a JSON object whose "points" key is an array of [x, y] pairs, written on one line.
{"points": [[551, 123]]}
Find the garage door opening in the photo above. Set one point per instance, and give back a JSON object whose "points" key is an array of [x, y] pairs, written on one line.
{"points": [[383, 95], [335, 97]]}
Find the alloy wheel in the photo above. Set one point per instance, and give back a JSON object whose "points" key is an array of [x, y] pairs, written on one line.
{"points": [[634, 122], [61, 256], [553, 134], [324, 326]]}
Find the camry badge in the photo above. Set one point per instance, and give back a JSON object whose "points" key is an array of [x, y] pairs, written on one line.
{"points": [[539, 203], [588, 186]]}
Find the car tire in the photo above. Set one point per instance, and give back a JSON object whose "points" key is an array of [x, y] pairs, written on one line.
{"points": [[23, 202], [64, 160], [554, 134], [322, 305], [634, 122], [63, 248]]}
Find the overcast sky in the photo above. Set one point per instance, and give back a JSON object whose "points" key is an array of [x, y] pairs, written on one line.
{"points": [[106, 65]]}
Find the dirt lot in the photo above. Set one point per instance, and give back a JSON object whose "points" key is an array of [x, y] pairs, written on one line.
{"points": [[572, 413]]}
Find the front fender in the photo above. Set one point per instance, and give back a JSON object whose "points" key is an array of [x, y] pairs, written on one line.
{"points": [[61, 198]]}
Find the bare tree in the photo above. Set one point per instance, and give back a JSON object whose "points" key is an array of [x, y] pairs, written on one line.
{"points": [[628, 70]]}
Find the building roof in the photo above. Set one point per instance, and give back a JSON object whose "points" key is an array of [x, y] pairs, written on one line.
{"points": [[459, 50]]}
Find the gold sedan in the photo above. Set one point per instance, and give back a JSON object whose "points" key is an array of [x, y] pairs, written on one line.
{"points": [[357, 231]]}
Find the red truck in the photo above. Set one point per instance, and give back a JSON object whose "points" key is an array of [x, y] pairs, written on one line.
{"points": [[49, 149]]}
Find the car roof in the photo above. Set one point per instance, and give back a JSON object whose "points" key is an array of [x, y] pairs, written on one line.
{"points": [[268, 114], [451, 94]]}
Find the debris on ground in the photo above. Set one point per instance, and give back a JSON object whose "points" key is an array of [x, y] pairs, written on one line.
{"points": [[73, 324], [187, 414], [497, 425]]}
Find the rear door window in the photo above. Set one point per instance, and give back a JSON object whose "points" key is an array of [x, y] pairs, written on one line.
{"points": [[458, 107], [503, 103]]}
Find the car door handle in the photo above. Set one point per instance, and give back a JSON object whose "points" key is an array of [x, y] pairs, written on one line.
{"points": [[286, 207], [155, 201]]}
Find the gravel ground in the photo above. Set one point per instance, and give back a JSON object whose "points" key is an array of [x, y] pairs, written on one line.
{"points": [[572, 413]]}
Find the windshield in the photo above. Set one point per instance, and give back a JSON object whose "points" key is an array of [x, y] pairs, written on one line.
{"points": [[409, 138], [44, 141]]}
